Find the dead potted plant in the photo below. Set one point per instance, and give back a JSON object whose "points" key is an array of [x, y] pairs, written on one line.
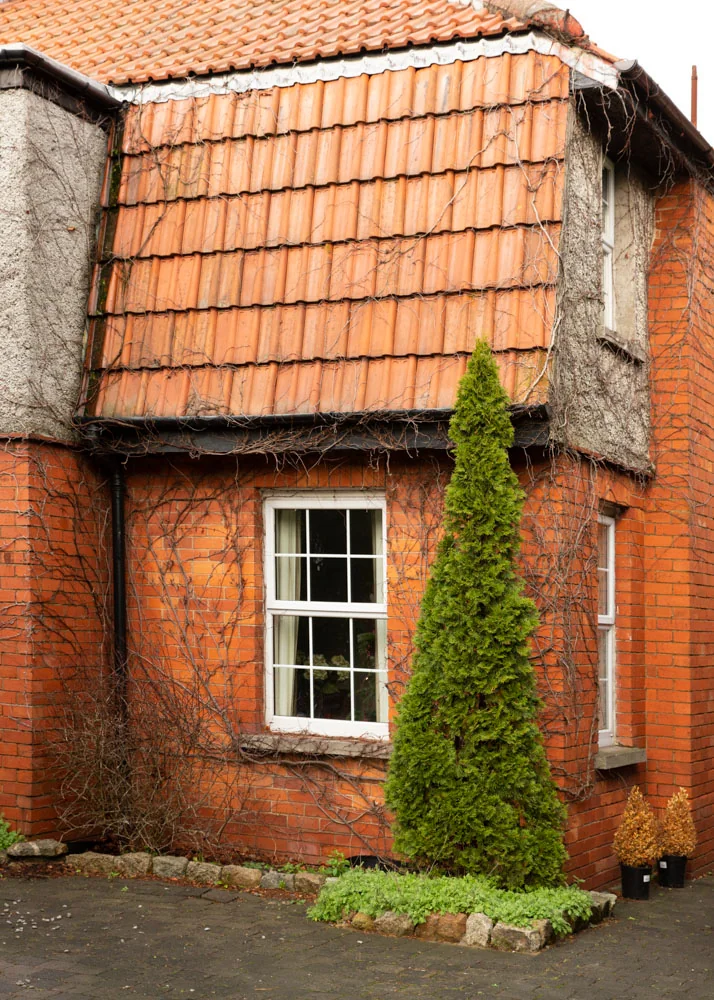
{"points": [[636, 846], [678, 838]]}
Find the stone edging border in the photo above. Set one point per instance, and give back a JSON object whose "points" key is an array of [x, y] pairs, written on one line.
{"points": [[167, 866], [201, 872], [476, 930], [472, 930]]}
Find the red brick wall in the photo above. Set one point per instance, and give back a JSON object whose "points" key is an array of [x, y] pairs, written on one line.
{"points": [[16, 777], [679, 573], [195, 587], [196, 603], [53, 588], [195, 536]]}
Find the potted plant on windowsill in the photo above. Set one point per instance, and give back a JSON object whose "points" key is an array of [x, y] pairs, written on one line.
{"points": [[636, 846], [678, 838]]}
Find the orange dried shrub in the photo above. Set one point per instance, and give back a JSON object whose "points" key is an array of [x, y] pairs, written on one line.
{"points": [[636, 841], [678, 835]]}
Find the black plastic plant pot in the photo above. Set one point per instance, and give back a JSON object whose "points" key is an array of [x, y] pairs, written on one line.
{"points": [[636, 881], [672, 868]]}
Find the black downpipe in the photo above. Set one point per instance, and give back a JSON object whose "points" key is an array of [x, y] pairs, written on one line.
{"points": [[118, 491]]}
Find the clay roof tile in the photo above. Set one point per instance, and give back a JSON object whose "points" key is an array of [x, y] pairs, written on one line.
{"points": [[118, 41]]}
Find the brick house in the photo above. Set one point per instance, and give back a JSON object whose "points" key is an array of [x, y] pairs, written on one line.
{"points": [[246, 251]]}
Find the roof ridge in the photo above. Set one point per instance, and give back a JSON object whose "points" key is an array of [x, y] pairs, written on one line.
{"points": [[543, 14]]}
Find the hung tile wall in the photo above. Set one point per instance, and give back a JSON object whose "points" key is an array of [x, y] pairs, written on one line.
{"points": [[333, 247]]}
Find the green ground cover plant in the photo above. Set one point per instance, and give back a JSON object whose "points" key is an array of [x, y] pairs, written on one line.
{"points": [[8, 836], [469, 782], [335, 865], [376, 892]]}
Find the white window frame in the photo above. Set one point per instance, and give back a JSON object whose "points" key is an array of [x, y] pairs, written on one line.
{"points": [[607, 625], [342, 500], [608, 244]]}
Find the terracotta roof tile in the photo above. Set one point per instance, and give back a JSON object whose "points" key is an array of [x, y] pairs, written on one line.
{"points": [[118, 41], [334, 247], [366, 384]]}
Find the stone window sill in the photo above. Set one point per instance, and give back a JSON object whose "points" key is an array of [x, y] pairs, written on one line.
{"points": [[621, 346], [611, 758], [316, 746]]}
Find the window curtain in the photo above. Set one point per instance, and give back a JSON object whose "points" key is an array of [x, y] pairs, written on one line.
{"points": [[286, 626], [380, 626]]}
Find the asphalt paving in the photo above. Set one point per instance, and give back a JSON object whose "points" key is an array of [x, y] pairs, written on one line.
{"points": [[73, 937]]}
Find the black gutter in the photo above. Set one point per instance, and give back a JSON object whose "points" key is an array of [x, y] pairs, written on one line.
{"points": [[228, 421], [24, 56], [118, 492], [654, 95], [400, 430]]}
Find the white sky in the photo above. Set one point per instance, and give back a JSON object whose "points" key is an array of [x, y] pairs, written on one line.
{"points": [[667, 38]]}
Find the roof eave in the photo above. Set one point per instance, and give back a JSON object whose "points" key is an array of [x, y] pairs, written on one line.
{"points": [[656, 97], [643, 123], [39, 72]]}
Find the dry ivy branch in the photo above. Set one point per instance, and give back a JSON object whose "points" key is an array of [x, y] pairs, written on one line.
{"points": [[559, 565], [182, 768]]}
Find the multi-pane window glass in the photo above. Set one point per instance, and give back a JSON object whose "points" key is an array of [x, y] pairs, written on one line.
{"points": [[606, 628], [327, 615], [608, 244]]}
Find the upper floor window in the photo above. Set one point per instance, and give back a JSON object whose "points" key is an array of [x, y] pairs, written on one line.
{"points": [[606, 628], [326, 614], [608, 244]]}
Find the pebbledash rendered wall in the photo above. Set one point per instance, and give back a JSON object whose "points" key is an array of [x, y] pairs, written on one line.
{"points": [[52, 163]]}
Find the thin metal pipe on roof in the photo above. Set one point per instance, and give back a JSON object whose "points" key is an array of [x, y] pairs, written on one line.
{"points": [[695, 96]]}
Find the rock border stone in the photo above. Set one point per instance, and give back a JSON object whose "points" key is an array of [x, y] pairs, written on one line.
{"points": [[472, 930], [36, 850], [141, 863], [199, 872], [476, 930]]}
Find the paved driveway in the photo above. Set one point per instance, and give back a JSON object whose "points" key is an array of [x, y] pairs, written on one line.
{"points": [[74, 938]]}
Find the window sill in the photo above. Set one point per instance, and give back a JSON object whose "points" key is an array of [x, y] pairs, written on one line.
{"points": [[618, 344], [316, 746], [613, 757]]}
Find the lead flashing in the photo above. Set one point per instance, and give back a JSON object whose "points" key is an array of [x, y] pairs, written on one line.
{"points": [[348, 67]]}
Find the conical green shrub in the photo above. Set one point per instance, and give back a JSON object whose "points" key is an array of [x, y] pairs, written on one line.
{"points": [[468, 781]]}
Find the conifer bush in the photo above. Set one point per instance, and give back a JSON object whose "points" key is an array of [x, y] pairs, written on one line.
{"points": [[678, 835], [636, 840], [468, 782]]}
